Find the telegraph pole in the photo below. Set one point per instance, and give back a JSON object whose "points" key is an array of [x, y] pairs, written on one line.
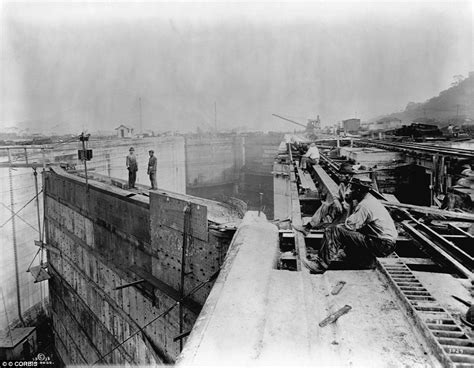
{"points": [[84, 155], [140, 107], [215, 116]]}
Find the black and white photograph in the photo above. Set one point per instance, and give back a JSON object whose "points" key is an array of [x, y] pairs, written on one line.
{"points": [[245, 184]]}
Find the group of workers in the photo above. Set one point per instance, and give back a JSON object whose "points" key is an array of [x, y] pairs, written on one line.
{"points": [[132, 167], [357, 227]]}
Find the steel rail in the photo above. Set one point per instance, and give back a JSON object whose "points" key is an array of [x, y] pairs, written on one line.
{"points": [[460, 152], [422, 146]]}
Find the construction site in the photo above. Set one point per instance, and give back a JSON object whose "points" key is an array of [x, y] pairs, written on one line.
{"points": [[237, 184], [209, 267]]}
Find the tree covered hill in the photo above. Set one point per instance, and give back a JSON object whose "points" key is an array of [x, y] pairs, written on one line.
{"points": [[454, 105]]}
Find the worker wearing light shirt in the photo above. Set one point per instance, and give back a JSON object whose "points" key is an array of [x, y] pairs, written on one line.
{"points": [[367, 233], [311, 156]]}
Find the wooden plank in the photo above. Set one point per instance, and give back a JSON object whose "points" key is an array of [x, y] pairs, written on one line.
{"points": [[329, 185], [461, 231], [306, 181], [431, 211]]}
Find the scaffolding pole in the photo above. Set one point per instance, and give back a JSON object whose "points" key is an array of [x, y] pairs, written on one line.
{"points": [[15, 250]]}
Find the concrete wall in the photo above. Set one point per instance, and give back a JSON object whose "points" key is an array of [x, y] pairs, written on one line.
{"points": [[213, 161], [99, 239]]}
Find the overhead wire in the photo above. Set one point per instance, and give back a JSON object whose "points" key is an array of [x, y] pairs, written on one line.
{"points": [[140, 329], [31, 200]]}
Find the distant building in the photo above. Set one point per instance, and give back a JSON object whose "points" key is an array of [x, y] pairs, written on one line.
{"points": [[351, 125], [124, 131], [386, 124]]}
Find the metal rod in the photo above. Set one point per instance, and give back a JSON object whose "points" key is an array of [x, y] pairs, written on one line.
{"points": [[6, 315], [83, 139], [37, 203], [186, 233], [44, 158], [129, 284], [26, 156], [449, 244], [15, 250], [181, 336], [461, 231]]}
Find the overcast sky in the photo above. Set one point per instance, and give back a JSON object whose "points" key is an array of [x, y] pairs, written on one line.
{"points": [[66, 67]]}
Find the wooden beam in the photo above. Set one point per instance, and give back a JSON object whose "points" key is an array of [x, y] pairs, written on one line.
{"points": [[431, 211]]}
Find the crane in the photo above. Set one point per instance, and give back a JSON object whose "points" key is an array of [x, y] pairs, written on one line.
{"points": [[291, 121]]}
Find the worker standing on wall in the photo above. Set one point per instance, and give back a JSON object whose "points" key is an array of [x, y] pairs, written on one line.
{"points": [[369, 231], [132, 168], [152, 169], [311, 156]]}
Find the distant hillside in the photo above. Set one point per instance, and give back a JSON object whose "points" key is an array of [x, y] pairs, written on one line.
{"points": [[443, 109]]}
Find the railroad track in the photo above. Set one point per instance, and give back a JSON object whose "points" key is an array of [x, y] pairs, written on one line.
{"points": [[459, 152]]}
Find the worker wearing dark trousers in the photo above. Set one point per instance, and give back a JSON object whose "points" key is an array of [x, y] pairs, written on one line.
{"points": [[132, 168], [152, 169], [368, 232]]}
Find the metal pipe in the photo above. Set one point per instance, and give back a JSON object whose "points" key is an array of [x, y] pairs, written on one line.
{"points": [[129, 284], [15, 250], [186, 233], [35, 173]]}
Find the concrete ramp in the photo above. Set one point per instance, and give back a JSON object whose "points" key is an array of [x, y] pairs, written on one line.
{"points": [[259, 315]]}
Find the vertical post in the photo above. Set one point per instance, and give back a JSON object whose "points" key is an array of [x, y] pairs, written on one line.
{"points": [[37, 203], [9, 156], [186, 234], [26, 155], [83, 138], [44, 158], [15, 249], [140, 106], [215, 117], [40, 234], [6, 315]]}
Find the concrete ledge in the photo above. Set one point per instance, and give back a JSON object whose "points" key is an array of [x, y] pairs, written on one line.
{"points": [[229, 328]]}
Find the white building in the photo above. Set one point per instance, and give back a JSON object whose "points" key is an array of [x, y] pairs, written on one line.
{"points": [[124, 131]]}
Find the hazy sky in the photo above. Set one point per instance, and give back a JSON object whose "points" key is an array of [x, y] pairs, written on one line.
{"points": [[66, 67]]}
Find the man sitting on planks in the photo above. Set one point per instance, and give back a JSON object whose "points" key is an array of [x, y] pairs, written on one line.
{"points": [[336, 210], [311, 156], [369, 231]]}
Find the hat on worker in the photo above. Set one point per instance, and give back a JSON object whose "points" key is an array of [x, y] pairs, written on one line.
{"points": [[132, 149], [151, 151], [363, 182]]}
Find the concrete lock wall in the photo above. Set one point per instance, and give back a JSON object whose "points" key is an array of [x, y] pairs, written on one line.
{"points": [[99, 239], [213, 161]]}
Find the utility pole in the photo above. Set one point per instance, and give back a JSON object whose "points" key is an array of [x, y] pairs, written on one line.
{"points": [[215, 116], [85, 155]]}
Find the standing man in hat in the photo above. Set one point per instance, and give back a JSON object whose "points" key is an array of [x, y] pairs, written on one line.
{"points": [[152, 169], [369, 231], [132, 168]]}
